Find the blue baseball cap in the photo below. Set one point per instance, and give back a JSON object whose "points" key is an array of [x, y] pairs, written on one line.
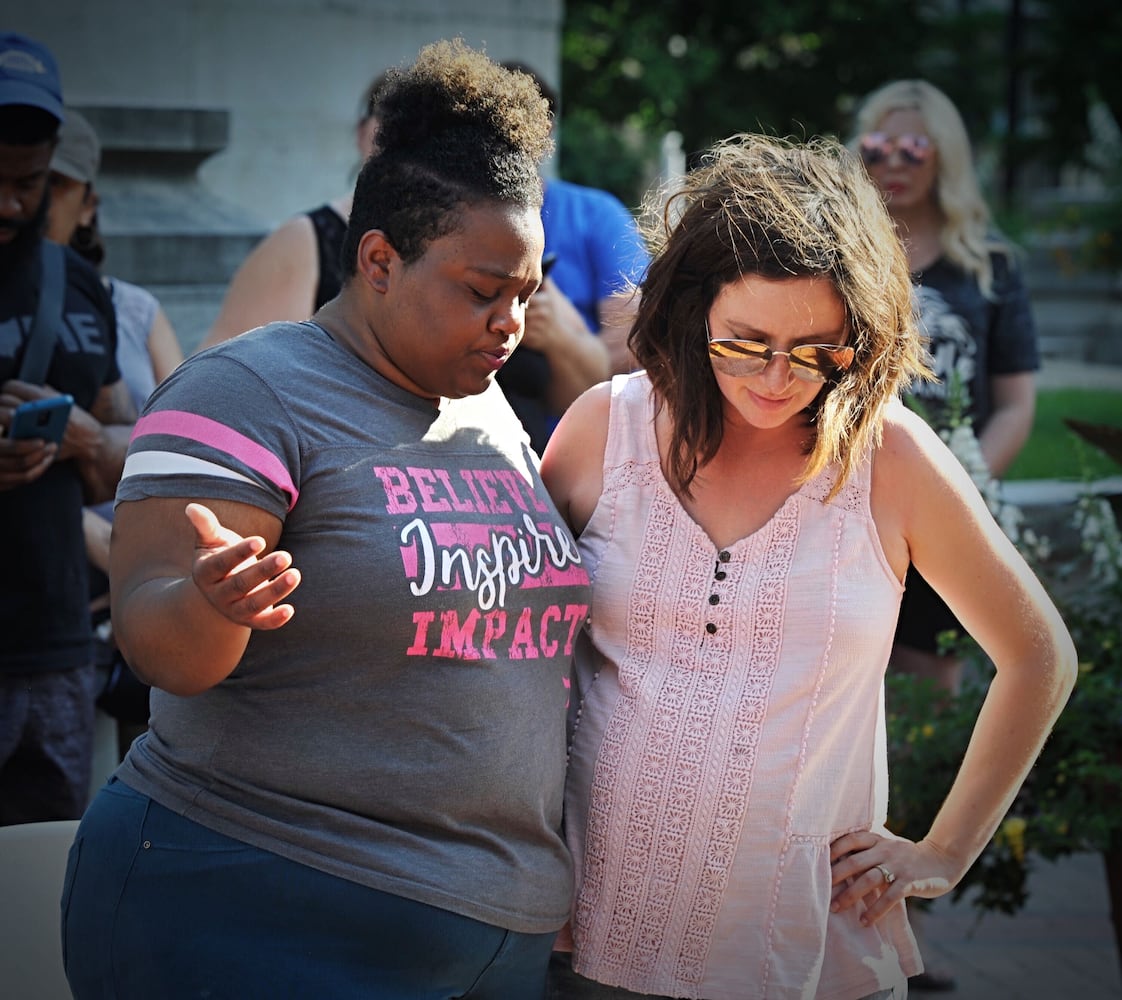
{"points": [[29, 74]]}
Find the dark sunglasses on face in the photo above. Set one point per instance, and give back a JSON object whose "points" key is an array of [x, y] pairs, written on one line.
{"points": [[876, 147], [808, 362]]}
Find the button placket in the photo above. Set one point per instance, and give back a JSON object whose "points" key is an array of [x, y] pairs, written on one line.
{"points": [[719, 575]]}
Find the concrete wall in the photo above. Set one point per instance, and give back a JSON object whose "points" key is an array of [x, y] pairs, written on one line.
{"points": [[221, 118], [289, 72]]}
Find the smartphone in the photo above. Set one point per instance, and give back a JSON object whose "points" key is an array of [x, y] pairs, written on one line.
{"points": [[41, 418], [547, 264]]}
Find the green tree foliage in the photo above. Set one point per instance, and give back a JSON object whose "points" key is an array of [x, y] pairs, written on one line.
{"points": [[632, 71], [1073, 60]]}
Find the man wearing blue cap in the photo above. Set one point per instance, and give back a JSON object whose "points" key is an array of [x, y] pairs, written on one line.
{"points": [[58, 336]]}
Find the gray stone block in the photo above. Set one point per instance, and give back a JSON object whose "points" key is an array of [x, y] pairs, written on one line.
{"points": [[198, 132], [161, 225]]}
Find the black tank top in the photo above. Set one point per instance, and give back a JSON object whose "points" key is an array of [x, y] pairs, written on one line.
{"points": [[330, 228]]}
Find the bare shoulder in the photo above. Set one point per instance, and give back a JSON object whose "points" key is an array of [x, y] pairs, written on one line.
{"points": [[291, 246], [297, 229], [573, 463], [914, 475], [906, 435], [912, 455], [583, 429], [920, 485], [584, 425], [277, 281], [591, 406]]}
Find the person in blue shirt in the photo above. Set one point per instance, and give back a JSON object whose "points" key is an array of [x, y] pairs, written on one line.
{"points": [[578, 321]]}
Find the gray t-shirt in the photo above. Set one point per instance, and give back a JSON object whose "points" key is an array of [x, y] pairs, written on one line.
{"points": [[405, 729]]}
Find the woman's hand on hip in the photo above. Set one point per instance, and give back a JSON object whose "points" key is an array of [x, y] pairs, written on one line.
{"points": [[882, 871]]}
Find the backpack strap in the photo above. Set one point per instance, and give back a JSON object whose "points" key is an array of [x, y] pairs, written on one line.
{"points": [[48, 314]]}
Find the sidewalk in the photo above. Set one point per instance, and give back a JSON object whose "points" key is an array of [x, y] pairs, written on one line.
{"points": [[1060, 946], [1057, 373]]}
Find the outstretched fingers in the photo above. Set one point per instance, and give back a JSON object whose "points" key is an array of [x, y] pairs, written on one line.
{"points": [[234, 576]]}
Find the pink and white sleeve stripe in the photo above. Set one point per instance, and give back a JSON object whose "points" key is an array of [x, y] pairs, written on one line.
{"points": [[213, 435]]}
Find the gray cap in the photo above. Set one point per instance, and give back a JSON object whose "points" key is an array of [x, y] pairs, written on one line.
{"points": [[78, 153]]}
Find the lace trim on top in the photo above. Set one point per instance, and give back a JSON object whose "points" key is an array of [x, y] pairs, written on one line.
{"points": [[853, 497], [693, 768], [688, 771], [678, 800]]}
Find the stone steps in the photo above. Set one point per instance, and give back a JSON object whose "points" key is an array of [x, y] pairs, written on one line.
{"points": [[163, 228], [1078, 311]]}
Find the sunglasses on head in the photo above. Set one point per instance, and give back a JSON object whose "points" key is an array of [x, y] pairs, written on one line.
{"points": [[876, 147], [808, 362]]}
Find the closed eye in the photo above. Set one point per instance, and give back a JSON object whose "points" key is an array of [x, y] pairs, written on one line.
{"points": [[481, 295]]}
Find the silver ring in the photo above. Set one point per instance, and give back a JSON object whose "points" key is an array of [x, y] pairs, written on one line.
{"points": [[889, 878]]}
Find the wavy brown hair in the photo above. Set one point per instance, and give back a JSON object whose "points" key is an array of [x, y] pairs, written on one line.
{"points": [[770, 207]]}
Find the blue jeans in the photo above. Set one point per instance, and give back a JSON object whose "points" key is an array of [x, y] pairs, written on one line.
{"points": [[155, 905]]}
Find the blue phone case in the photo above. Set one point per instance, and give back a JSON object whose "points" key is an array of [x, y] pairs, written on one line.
{"points": [[41, 418]]}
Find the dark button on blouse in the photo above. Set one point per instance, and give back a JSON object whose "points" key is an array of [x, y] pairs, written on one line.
{"points": [[710, 628], [714, 599], [724, 556]]}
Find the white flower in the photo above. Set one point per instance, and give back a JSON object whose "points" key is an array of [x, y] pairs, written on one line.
{"points": [[1099, 537]]}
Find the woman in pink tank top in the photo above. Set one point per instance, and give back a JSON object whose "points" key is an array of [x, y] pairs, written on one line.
{"points": [[747, 507]]}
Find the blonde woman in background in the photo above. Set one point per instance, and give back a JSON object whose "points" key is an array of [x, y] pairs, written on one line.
{"points": [[972, 305]]}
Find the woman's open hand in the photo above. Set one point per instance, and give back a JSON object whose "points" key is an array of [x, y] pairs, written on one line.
{"points": [[235, 578]]}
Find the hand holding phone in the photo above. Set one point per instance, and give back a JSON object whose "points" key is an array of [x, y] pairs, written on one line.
{"points": [[43, 419]]}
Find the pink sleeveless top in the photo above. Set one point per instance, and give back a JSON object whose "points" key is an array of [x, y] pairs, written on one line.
{"points": [[729, 725]]}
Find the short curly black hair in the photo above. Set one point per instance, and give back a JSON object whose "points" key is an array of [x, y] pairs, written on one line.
{"points": [[454, 129]]}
